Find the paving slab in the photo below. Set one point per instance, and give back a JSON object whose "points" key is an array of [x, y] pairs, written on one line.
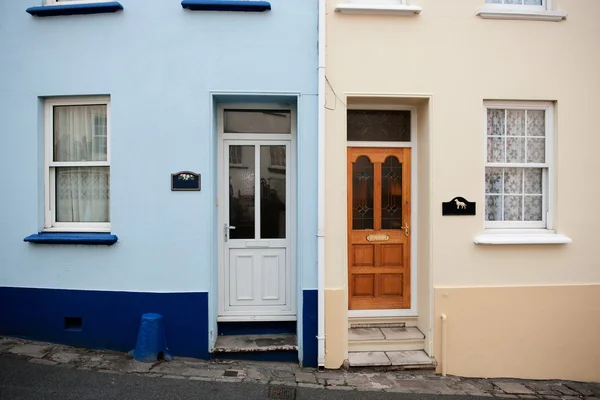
{"points": [[410, 357], [564, 390], [368, 358], [305, 377], [65, 357], [365, 334], [402, 333], [31, 350], [513, 388]]}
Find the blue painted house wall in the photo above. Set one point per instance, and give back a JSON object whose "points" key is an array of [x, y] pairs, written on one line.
{"points": [[162, 67]]}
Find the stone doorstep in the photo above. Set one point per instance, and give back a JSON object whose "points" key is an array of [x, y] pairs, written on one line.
{"points": [[255, 343], [412, 358], [393, 333]]}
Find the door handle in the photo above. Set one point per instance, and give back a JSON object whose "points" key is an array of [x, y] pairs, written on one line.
{"points": [[226, 229], [406, 229]]}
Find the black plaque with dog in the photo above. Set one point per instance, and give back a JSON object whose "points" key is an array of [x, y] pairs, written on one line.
{"points": [[458, 206]]}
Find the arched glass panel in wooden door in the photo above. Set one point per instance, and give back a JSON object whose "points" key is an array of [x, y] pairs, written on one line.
{"points": [[362, 193], [391, 194]]}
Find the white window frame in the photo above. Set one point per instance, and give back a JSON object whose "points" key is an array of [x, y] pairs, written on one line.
{"points": [[546, 225], [382, 7], [545, 12], [546, 5], [65, 2], [50, 224]]}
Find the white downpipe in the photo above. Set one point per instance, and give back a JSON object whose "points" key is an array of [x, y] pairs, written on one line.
{"points": [[321, 188], [444, 332]]}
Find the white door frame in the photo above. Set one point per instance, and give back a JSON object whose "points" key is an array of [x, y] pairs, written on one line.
{"points": [[223, 190], [412, 311]]}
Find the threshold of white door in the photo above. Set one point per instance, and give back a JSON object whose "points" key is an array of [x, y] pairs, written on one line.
{"points": [[255, 343]]}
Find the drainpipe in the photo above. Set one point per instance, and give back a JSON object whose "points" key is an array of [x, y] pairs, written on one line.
{"points": [[321, 189]]}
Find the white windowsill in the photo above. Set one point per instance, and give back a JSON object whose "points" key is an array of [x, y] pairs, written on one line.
{"points": [[378, 9], [522, 238], [512, 13]]}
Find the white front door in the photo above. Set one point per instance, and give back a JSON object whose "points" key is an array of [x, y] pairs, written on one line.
{"points": [[256, 216]]}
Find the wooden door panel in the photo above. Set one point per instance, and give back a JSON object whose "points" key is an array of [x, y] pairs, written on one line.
{"points": [[392, 255], [364, 255], [378, 211], [363, 285], [391, 284]]}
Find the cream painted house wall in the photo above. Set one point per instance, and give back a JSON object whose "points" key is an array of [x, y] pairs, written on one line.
{"points": [[457, 60]]}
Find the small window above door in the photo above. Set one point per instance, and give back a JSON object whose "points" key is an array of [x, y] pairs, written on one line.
{"points": [[257, 121], [378, 125]]}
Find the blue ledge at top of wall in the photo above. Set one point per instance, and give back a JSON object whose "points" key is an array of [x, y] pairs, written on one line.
{"points": [[71, 238], [75, 9], [226, 5]]}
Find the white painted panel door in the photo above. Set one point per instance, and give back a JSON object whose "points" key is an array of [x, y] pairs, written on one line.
{"points": [[256, 276]]}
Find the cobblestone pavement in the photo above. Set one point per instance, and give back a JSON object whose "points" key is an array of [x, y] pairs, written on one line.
{"points": [[293, 375]]}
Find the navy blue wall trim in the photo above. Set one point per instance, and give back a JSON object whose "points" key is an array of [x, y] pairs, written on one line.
{"points": [[257, 328], [226, 5], [310, 311], [75, 9], [71, 238], [108, 320]]}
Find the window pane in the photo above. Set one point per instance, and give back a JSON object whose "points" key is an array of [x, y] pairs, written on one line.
{"points": [[391, 194], [378, 126], [533, 208], [272, 192], [241, 193], [495, 149], [494, 181], [82, 194], [536, 123], [533, 2], [495, 122], [533, 180], [493, 208], [362, 194], [258, 121], [513, 208], [536, 150], [80, 133], [515, 121], [513, 180]]}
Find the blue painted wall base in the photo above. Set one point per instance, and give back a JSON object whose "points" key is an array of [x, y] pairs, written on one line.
{"points": [[310, 311], [109, 320]]}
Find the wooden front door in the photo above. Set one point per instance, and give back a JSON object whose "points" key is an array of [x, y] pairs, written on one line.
{"points": [[378, 228]]}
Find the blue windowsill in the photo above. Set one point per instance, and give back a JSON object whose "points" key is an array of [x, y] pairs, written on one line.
{"points": [[75, 9], [71, 238], [226, 5]]}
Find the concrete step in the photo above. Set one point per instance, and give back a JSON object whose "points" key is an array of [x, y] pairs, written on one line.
{"points": [[407, 360], [255, 343], [385, 339], [381, 322]]}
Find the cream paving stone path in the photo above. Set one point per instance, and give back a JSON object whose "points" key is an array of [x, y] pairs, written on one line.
{"points": [[365, 379]]}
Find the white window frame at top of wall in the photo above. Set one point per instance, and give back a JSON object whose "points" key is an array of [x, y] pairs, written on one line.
{"points": [[545, 12], [519, 227], [546, 5], [382, 7], [50, 224]]}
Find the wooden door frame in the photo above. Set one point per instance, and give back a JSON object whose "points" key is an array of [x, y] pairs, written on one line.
{"points": [[221, 191], [412, 311]]}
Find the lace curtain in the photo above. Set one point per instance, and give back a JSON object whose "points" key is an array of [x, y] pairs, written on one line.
{"points": [[82, 192]]}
